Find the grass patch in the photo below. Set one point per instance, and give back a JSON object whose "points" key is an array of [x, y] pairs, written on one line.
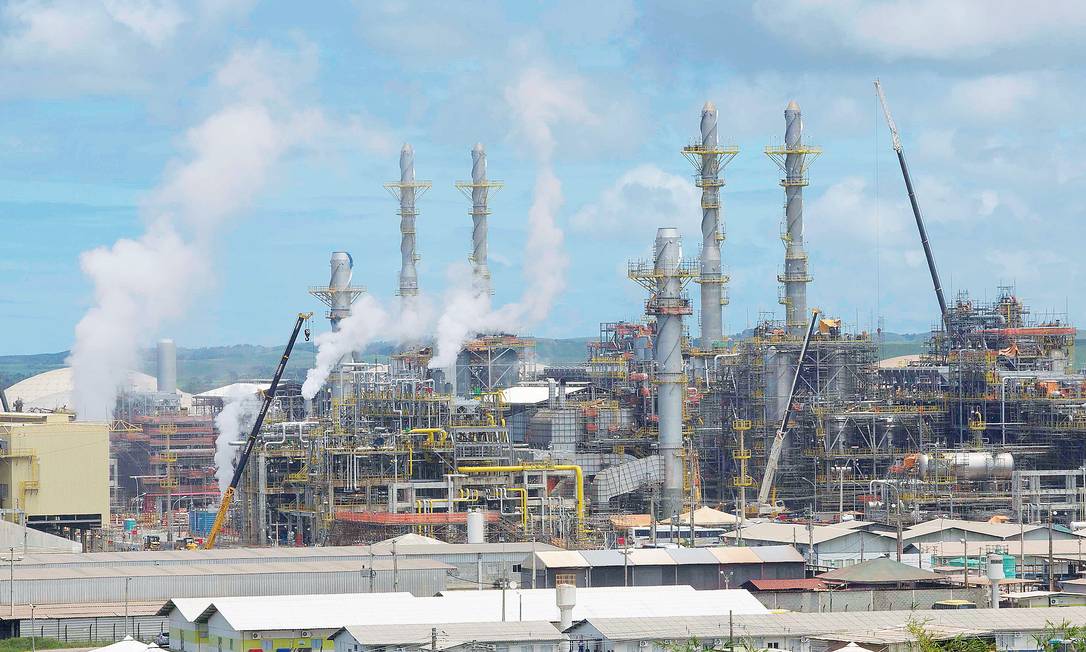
{"points": [[23, 644]]}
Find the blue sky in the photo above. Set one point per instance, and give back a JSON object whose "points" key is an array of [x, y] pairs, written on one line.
{"points": [[102, 106]]}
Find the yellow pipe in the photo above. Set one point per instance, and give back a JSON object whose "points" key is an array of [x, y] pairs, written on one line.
{"points": [[430, 432], [523, 503], [577, 472]]}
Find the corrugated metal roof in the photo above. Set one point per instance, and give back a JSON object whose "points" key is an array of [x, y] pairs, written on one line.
{"points": [[333, 612], [182, 570], [997, 530], [451, 634], [736, 555], [840, 625], [561, 559], [880, 571], [778, 554], [596, 558], [245, 555], [650, 557], [692, 555]]}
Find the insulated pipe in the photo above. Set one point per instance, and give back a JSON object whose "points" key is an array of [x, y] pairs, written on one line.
{"points": [[712, 289], [575, 469]]}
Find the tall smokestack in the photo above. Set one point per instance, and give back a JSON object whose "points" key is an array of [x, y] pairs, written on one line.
{"points": [[478, 191], [166, 367], [709, 158], [668, 303], [408, 191], [338, 296], [794, 159]]}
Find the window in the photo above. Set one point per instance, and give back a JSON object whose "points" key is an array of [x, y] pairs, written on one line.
{"points": [[516, 568], [774, 645]]}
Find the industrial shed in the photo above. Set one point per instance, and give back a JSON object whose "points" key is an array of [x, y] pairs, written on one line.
{"points": [[147, 582], [539, 636], [1006, 629], [701, 568]]}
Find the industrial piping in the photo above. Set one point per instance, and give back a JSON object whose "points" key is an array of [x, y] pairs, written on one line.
{"points": [[520, 468]]}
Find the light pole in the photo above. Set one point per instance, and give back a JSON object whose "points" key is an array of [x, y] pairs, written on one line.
{"points": [[11, 582], [126, 581], [33, 634]]}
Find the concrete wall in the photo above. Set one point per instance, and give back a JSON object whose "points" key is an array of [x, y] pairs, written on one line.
{"points": [[867, 600]]}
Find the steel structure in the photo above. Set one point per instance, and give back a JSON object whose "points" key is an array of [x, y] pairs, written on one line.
{"points": [[794, 159], [478, 191], [710, 159]]}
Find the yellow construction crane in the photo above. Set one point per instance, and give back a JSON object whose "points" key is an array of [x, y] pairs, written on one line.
{"points": [[254, 435]]}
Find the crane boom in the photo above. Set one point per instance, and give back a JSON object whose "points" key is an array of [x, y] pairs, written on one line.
{"points": [[254, 434], [943, 312], [774, 458]]}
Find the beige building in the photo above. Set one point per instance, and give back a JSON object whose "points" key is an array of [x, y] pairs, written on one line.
{"points": [[55, 470]]}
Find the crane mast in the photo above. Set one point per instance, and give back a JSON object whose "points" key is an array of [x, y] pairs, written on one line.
{"points": [[896, 139], [254, 434], [774, 458]]}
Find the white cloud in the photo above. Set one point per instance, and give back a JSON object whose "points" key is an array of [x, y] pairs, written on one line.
{"points": [[69, 47], [153, 21], [993, 96], [639, 201], [926, 29]]}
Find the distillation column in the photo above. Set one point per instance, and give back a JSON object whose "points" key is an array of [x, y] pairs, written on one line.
{"points": [[668, 305], [478, 191], [709, 158], [794, 159]]}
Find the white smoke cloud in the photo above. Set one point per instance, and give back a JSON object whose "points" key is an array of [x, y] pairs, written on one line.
{"points": [[241, 404], [538, 100], [229, 158], [365, 323]]}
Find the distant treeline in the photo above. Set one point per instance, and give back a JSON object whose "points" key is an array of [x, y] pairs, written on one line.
{"points": [[204, 368]]}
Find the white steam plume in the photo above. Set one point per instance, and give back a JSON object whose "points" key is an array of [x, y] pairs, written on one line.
{"points": [[365, 323], [538, 101], [141, 283], [240, 406]]}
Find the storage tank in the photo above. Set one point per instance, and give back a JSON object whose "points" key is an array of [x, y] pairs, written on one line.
{"points": [[166, 367], [476, 526]]}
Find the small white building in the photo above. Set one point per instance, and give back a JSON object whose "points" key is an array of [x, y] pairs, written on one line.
{"points": [[885, 631], [523, 636]]}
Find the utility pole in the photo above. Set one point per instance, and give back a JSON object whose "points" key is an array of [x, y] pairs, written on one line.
{"points": [[1051, 578], [126, 581], [11, 582], [433, 639]]}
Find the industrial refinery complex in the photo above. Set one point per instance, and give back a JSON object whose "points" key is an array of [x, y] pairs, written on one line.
{"points": [[678, 482]]}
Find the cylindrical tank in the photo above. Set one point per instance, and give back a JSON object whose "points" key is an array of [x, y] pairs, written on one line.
{"points": [[167, 366], [476, 526]]}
